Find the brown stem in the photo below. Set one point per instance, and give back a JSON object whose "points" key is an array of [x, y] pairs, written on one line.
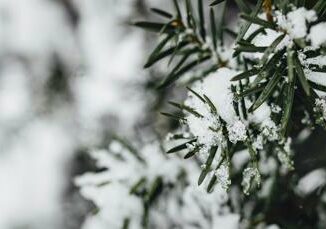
{"points": [[267, 6]]}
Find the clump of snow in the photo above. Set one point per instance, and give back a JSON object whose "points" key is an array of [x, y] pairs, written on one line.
{"points": [[270, 130], [261, 114], [317, 35], [251, 177], [223, 175], [217, 87], [237, 132], [295, 22], [202, 129]]}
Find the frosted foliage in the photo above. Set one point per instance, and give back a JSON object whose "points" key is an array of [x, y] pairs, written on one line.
{"points": [[110, 192], [318, 35], [251, 176], [295, 22], [110, 189], [125, 170], [217, 88]]}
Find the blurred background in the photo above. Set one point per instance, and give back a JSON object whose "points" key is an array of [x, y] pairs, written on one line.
{"points": [[70, 75]]}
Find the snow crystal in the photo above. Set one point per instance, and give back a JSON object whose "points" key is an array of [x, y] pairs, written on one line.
{"points": [[269, 130], [294, 23], [237, 132], [318, 35]]}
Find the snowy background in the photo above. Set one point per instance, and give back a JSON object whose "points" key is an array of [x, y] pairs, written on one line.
{"points": [[70, 73]]}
